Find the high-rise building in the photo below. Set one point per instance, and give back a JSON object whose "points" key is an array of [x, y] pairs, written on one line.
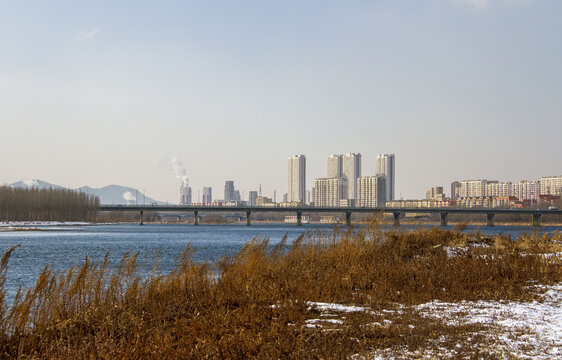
{"points": [[385, 166], [297, 178], [551, 185], [496, 188], [435, 193], [526, 190], [329, 191], [455, 190], [371, 191], [351, 171], [229, 191], [334, 166], [185, 194], [309, 197], [472, 188], [252, 197], [207, 195]]}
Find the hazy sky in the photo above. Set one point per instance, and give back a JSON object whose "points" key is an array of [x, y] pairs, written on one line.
{"points": [[104, 92]]}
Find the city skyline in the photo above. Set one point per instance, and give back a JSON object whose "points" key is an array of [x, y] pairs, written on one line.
{"points": [[102, 93]]}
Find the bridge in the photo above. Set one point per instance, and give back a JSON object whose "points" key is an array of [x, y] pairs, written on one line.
{"points": [[535, 214]]}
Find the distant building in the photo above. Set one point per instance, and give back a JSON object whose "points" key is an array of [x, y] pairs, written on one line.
{"points": [[297, 178], [472, 188], [207, 195], [551, 185], [252, 197], [236, 196], [265, 201], [371, 191], [229, 194], [455, 190], [185, 195], [526, 190], [285, 197], [351, 171], [334, 166], [495, 188], [385, 166], [309, 197], [434, 193], [420, 203], [329, 191]]}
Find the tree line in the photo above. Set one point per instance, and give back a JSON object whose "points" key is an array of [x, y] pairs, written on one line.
{"points": [[17, 204]]}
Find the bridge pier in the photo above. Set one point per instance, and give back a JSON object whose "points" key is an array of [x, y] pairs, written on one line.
{"points": [[299, 218], [490, 219], [444, 218], [195, 217], [141, 222], [348, 218], [396, 216], [537, 220], [248, 212]]}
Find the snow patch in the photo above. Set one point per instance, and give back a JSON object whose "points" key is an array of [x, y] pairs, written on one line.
{"points": [[524, 330], [334, 307], [31, 182]]}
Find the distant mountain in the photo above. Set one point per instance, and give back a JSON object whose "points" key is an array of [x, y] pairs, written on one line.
{"points": [[35, 183], [111, 194], [118, 195]]}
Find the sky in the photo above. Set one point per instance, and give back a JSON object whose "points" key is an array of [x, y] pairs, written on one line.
{"points": [[108, 92]]}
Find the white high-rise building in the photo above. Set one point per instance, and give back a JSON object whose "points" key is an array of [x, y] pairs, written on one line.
{"points": [[551, 185], [329, 191], [297, 178], [496, 188], [526, 190], [385, 166], [351, 171], [371, 191], [185, 194], [334, 166], [472, 188], [207, 195]]}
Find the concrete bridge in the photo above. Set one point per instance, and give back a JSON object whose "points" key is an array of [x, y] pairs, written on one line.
{"points": [[535, 214]]}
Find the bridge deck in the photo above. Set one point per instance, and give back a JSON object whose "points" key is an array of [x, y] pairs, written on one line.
{"points": [[309, 209]]}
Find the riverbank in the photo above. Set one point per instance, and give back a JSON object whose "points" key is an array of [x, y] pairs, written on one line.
{"points": [[362, 294]]}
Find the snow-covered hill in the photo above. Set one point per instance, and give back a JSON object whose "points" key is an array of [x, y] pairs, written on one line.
{"points": [[111, 194]]}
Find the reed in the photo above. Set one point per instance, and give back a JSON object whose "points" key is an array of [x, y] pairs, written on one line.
{"points": [[254, 304]]}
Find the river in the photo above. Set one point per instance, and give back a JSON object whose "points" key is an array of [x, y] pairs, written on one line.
{"points": [[63, 246]]}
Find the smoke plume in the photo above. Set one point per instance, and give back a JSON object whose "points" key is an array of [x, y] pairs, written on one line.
{"points": [[128, 196], [181, 173]]}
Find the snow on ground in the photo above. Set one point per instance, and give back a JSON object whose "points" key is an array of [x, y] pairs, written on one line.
{"points": [[531, 330], [522, 330], [38, 225], [41, 223], [330, 307]]}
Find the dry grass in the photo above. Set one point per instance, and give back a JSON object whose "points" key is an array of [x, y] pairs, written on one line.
{"points": [[254, 304]]}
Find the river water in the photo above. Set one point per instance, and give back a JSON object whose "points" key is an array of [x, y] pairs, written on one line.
{"points": [[63, 246]]}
